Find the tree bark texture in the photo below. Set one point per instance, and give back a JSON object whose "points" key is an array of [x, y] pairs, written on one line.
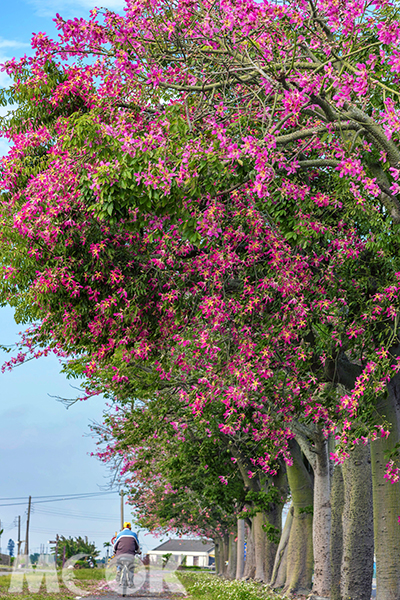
{"points": [[259, 545], [274, 517], [217, 546], [336, 541], [358, 532], [278, 578], [300, 549], [232, 557], [225, 554], [249, 564], [257, 520], [322, 518], [240, 548], [386, 500]]}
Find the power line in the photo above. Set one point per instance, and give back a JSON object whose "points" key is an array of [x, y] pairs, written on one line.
{"points": [[60, 499], [95, 533], [70, 515], [55, 510], [60, 495]]}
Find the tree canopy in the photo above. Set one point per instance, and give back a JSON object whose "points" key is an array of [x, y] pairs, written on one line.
{"points": [[200, 216]]}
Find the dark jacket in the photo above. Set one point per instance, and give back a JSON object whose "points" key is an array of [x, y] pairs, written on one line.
{"points": [[126, 543]]}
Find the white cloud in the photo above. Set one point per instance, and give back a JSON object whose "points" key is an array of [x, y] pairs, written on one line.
{"points": [[72, 8], [8, 50], [12, 44], [4, 82]]}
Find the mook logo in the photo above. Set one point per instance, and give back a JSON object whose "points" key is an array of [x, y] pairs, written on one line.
{"points": [[124, 575]]}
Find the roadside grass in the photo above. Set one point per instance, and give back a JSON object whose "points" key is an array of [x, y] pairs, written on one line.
{"points": [[87, 580], [205, 586], [90, 574], [198, 586]]}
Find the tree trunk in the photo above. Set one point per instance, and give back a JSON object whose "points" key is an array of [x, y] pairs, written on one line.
{"points": [[240, 548], [278, 578], [300, 549], [249, 565], [217, 546], [232, 556], [299, 557], [336, 543], [225, 554], [322, 518], [257, 519], [386, 500], [274, 517], [259, 545], [358, 534]]}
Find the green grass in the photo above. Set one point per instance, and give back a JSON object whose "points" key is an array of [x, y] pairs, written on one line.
{"points": [[205, 586], [85, 579], [89, 574], [194, 568], [198, 585]]}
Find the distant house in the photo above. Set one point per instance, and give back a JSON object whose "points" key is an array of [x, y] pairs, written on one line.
{"points": [[4, 559], [193, 553]]}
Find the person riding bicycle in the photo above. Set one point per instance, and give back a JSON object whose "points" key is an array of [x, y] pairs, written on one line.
{"points": [[126, 544]]}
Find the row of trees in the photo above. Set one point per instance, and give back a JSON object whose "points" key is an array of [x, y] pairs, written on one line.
{"points": [[200, 216], [68, 547]]}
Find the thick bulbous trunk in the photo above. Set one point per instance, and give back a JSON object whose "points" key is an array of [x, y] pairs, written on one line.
{"points": [[240, 548], [278, 578], [300, 548], [249, 565], [336, 541], [232, 556], [221, 554], [386, 501], [358, 535], [259, 539], [274, 518], [299, 556], [225, 554], [265, 548], [217, 546], [259, 545], [322, 518]]}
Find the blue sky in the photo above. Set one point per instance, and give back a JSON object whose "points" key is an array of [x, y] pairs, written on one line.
{"points": [[44, 448]]}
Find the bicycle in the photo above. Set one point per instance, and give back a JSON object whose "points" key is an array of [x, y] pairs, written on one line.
{"points": [[126, 575]]}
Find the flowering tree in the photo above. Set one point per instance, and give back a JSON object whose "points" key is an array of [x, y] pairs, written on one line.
{"points": [[209, 206], [184, 475]]}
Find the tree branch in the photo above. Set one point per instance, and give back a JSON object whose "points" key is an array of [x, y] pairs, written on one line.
{"points": [[318, 162], [301, 134]]}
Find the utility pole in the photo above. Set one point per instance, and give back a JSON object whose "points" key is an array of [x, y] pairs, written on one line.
{"points": [[27, 527], [0, 535], [57, 538], [56, 548], [122, 509], [19, 536]]}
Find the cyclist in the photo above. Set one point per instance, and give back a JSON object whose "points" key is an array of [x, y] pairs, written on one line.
{"points": [[126, 545]]}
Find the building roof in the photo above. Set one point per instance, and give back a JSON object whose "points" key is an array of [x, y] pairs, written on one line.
{"points": [[185, 546]]}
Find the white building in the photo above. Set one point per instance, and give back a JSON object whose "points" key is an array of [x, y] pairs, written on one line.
{"points": [[193, 553]]}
